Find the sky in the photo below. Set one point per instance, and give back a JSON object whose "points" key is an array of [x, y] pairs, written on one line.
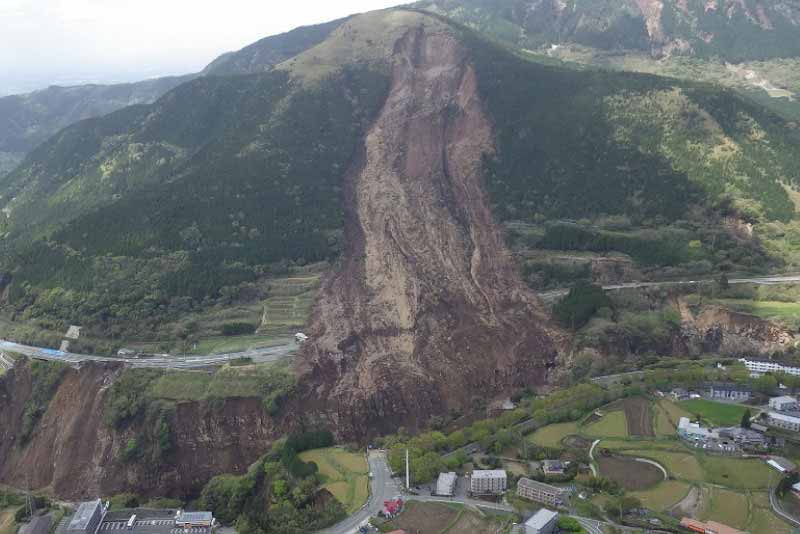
{"points": [[67, 42]]}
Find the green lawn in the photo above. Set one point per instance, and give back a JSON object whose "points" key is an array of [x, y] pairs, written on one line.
{"points": [[737, 473], [611, 425], [244, 381], [681, 465], [222, 345], [716, 413], [727, 507], [551, 435], [664, 495], [345, 474]]}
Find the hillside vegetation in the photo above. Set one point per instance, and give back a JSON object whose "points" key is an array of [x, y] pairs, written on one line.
{"points": [[225, 180]]}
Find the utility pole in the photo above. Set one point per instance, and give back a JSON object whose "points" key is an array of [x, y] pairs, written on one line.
{"points": [[408, 473]]}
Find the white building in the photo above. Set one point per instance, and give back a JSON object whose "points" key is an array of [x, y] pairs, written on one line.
{"points": [[783, 404], [689, 430], [786, 422], [542, 522], [484, 482], [446, 484], [189, 520], [759, 367]]}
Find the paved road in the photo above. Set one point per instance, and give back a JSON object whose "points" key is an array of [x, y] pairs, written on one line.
{"points": [[760, 280], [265, 355], [382, 488]]}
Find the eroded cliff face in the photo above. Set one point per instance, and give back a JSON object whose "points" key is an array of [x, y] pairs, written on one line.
{"points": [[425, 312], [73, 453]]}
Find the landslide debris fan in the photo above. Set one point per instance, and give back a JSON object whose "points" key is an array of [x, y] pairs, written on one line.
{"points": [[425, 312]]}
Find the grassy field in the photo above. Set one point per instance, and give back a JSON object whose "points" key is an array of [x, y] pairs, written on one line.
{"points": [[667, 414], [611, 425], [682, 465], [716, 413], [551, 435], [785, 312], [243, 381], [735, 472], [664, 495], [222, 345], [763, 521], [345, 475], [727, 507], [7, 525]]}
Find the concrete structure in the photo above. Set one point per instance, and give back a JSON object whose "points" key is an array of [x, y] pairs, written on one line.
{"points": [[786, 422], [87, 518], [552, 467], [541, 492], [446, 484], [728, 391], [488, 482], [783, 404], [542, 522], [693, 431], [708, 527], [743, 437], [194, 519], [39, 524], [782, 465], [679, 394], [758, 367]]}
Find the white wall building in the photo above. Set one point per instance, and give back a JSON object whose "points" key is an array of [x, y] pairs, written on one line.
{"points": [[484, 482], [786, 422], [542, 522], [446, 484], [783, 404], [759, 367]]}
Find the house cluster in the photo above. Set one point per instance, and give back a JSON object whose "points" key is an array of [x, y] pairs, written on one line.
{"points": [[720, 440], [717, 391]]}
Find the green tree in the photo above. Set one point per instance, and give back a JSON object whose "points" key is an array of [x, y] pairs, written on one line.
{"points": [[580, 304], [746, 418]]}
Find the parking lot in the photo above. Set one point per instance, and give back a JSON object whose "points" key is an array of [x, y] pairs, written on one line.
{"points": [[149, 526]]}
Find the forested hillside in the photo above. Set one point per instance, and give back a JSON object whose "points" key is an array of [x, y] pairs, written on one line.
{"points": [[226, 179], [30, 119]]}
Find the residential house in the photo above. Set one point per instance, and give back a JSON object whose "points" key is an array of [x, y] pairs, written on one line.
{"points": [[728, 392], [553, 467]]}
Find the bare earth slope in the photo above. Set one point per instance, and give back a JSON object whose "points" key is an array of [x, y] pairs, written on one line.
{"points": [[425, 312]]}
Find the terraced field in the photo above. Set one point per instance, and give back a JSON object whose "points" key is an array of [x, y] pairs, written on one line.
{"points": [[289, 304], [346, 475]]}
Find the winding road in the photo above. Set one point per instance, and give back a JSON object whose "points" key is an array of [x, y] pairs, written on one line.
{"points": [[759, 280], [265, 355]]}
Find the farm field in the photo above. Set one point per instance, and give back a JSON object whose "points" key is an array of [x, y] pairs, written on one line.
{"points": [[441, 518], [345, 474], [735, 472], [629, 473], [611, 425], [638, 417], [551, 435], [664, 495], [726, 489], [716, 413], [727, 507], [7, 525]]}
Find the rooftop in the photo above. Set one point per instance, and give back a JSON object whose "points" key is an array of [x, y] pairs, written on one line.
{"points": [[84, 514], [489, 473], [528, 483], [541, 518], [784, 417], [784, 398], [193, 517]]}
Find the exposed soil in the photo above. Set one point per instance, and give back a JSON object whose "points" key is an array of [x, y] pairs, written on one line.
{"points": [[630, 474], [76, 455], [425, 312], [637, 413], [691, 505], [426, 518], [577, 442]]}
